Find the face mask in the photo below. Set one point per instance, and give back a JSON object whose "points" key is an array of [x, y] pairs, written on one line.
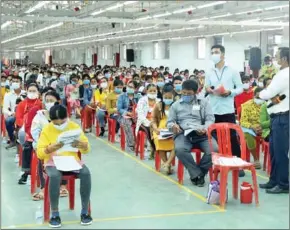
{"points": [[62, 78], [258, 101], [86, 82], [62, 126], [73, 83], [246, 85], [32, 96], [49, 105], [118, 91], [216, 58], [104, 85], [167, 101], [178, 87], [94, 86], [152, 96], [160, 84], [166, 113], [3, 84], [130, 91], [7, 83], [107, 75], [187, 98], [260, 84]]}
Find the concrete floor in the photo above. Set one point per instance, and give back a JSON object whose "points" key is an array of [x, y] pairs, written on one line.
{"points": [[129, 194]]}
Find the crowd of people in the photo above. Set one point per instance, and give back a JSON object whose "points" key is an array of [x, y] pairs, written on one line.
{"points": [[38, 101]]}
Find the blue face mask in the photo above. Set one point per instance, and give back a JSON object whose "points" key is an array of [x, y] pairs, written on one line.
{"points": [[86, 82], [130, 91], [178, 87], [160, 84], [187, 98], [118, 91], [107, 75], [167, 101], [62, 78], [73, 83]]}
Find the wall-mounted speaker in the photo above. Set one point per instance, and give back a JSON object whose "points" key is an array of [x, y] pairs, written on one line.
{"points": [[255, 58], [130, 55]]}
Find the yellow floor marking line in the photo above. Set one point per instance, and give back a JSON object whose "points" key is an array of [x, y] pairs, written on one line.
{"points": [[120, 218], [259, 175], [200, 197]]}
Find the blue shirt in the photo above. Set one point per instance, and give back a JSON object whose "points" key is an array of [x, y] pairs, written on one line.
{"points": [[231, 80]]}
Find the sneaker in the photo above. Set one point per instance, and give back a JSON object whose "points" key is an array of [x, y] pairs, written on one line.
{"points": [[194, 181], [86, 219], [257, 165], [55, 222], [102, 132], [200, 181], [11, 145], [16, 159], [23, 179]]}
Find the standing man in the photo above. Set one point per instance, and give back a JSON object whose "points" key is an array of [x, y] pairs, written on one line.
{"points": [[279, 135], [223, 83]]}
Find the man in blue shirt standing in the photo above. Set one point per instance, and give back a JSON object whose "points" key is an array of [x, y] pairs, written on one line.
{"points": [[223, 83]]}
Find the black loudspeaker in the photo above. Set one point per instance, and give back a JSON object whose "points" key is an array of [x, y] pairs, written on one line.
{"points": [[130, 55], [255, 58]]}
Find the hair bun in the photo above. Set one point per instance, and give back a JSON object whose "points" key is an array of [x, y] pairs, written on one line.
{"points": [[56, 103]]}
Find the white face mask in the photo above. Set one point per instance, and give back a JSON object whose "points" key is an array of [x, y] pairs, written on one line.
{"points": [[15, 85], [32, 96], [49, 105], [3, 84], [62, 126], [216, 58], [94, 86], [152, 96], [258, 101], [104, 85], [260, 84], [246, 85]]}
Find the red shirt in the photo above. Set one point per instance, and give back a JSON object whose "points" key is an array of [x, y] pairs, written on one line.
{"points": [[243, 97]]}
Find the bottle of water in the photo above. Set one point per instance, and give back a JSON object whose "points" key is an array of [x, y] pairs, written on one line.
{"points": [[39, 215]]}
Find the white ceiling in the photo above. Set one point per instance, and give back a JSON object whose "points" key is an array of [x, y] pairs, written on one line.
{"points": [[43, 24]]}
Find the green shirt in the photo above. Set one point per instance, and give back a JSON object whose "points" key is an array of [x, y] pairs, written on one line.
{"points": [[265, 121]]}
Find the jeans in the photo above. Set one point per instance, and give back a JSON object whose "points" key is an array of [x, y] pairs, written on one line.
{"points": [[54, 186], [183, 147], [279, 150], [10, 127], [101, 115], [230, 118]]}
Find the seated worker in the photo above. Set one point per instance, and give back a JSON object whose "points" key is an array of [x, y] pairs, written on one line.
{"points": [[111, 104], [39, 121], [9, 108], [250, 123], [144, 111], [23, 120], [101, 95], [160, 84], [86, 98], [125, 105], [47, 146], [177, 84], [265, 120], [246, 95], [159, 120], [189, 119], [73, 95], [3, 90]]}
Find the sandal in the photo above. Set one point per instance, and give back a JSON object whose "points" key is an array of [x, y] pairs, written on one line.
{"points": [[63, 192], [37, 196]]}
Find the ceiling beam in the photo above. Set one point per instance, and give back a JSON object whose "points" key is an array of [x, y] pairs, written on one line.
{"points": [[151, 21]]}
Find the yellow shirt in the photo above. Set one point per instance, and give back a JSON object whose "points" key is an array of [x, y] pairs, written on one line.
{"points": [[111, 105], [250, 114], [268, 71], [101, 98], [3, 91], [49, 136]]}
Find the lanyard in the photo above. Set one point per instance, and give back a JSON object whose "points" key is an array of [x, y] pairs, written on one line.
{"points": [[220, 78]]}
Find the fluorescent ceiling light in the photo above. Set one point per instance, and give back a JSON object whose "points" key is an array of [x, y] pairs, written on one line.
{"points": [[222, 16], [162, 15], [5, 24], [143, 18], [118, 5], [285, 16], [198, 19], [37, 6], [276, 7], [33, 32], [251, 11], [251, 20], [129, 2], [184, 10], [114, 7], [211, 4]]}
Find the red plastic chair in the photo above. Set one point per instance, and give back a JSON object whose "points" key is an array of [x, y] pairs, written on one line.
{"points": [[98, 128], [70, 178], [140, 144], [224, 144], [123, 138], [3, 126], [111, 130], [33, 172], [158, 162], [267, 159]]}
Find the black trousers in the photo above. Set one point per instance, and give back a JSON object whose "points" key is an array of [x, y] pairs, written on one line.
{"points": [[26, 156], [230, 118]]}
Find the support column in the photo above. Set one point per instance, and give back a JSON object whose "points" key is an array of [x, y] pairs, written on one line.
{"points": [[264, 43], [285, 38]]}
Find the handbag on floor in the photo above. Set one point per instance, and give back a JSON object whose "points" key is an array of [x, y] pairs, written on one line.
{"points": [[213, 194]]}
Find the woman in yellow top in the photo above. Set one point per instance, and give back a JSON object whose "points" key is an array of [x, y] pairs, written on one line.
{"points": [[100, 97], [47, 147], [3, 90], [159, 120], [111, 104]]}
